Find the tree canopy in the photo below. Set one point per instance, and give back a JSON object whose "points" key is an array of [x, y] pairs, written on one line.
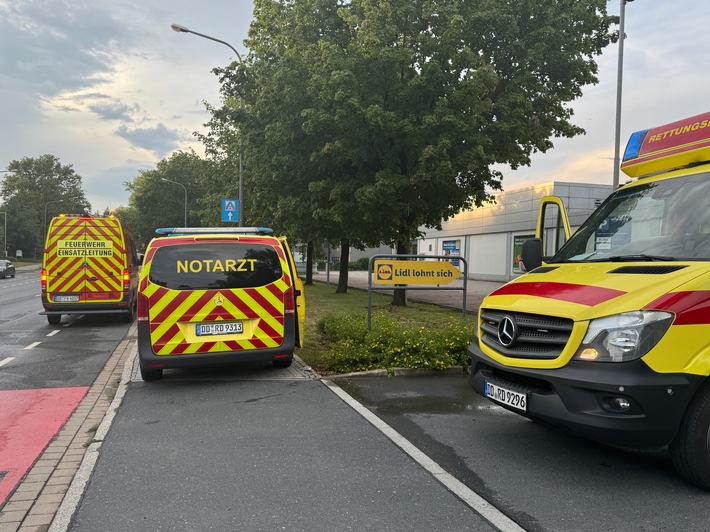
{"points": [[367, 120], [34, 190]]}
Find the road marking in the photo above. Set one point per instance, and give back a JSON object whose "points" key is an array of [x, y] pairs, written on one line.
{"points": [[6, 361], [55, 331], [33, 345], [485, 509]]}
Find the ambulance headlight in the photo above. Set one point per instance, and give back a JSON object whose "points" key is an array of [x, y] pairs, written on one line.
{"points": [[623, 337]]}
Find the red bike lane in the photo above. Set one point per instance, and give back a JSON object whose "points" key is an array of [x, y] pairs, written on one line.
{"points": [[29, 420]]}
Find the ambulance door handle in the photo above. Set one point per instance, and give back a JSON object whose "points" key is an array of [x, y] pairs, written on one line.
{"points": [[93, 279]]}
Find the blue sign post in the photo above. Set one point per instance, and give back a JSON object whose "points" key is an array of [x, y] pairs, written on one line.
{"points": [[230, 210]]}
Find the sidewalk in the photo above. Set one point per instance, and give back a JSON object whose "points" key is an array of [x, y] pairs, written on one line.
{"points": [[475, 290]]}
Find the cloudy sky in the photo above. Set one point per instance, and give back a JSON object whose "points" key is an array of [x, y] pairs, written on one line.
{"points": [[107, 87]]}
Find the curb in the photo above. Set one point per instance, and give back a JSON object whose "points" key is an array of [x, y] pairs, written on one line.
{"points": [[454, 371]]}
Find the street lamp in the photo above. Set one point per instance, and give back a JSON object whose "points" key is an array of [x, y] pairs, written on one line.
{"points": [[183, 29], [185, 189], [5, 233], [617, 137], [45, 213]]}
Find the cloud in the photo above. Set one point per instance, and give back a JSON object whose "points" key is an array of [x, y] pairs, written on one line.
{"points": [[114, 111], [159, 139]]}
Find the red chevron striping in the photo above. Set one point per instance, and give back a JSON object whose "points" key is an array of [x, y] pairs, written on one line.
{"points": [[573, 293]]}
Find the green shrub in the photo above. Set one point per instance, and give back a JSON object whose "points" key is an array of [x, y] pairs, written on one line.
{"points": [[389, 345], [360, 264]]}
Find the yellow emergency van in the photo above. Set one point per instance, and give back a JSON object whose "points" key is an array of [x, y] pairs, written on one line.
{"points": [[89, 266], [218, 296], [609, 338]]}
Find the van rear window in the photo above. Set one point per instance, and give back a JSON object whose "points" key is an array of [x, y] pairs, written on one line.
{"points": [[209, 266]]}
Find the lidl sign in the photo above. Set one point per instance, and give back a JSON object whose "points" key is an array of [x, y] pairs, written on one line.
{"points": [[414, 272]]}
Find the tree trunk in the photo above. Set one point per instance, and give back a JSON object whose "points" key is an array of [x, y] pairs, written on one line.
{"points": [[399, 296], [309, 263], [344, 259]]}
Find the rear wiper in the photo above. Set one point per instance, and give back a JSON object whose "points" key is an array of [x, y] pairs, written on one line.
{"points": [[636, 258]]}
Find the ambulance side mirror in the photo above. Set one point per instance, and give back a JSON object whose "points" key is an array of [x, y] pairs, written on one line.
{"points": [[531, 256]]}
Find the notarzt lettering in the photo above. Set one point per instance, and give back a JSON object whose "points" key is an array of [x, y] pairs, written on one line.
{"points": [[211, 265]]}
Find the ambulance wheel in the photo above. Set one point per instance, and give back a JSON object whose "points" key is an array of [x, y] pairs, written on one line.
{"points": [[151, 374], [283, 362], [690, 451], [54, 319]]}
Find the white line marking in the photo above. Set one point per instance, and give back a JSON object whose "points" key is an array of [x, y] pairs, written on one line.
{"points": [[485, 509], [55, 331], [33, 345], [6, 361]]}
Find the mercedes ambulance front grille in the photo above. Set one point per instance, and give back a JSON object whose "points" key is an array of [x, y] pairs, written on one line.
{"points": [[525, 335]]}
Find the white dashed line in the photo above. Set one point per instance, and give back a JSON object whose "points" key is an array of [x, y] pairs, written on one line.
{"points": [[33, 345], [55, 331], [6, 361]]}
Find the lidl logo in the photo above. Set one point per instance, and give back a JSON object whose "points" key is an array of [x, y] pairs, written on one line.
{"points": [[384, 272]]}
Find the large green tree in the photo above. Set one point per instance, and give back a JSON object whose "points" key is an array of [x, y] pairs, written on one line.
{"points": [[155, 203], [380, 117], [33, 190]]}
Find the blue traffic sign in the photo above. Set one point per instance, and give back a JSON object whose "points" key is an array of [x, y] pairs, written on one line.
{"points": [[230, 210]]}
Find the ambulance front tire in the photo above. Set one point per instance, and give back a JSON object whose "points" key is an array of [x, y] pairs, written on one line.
{"points": [[151, 374], [54, 319], [690, 451]]}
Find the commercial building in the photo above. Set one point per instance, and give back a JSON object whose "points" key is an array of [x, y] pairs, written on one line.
{"points": [[490, 238]]}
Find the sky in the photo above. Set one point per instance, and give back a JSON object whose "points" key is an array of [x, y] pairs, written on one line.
{"points": [[110, 89]]}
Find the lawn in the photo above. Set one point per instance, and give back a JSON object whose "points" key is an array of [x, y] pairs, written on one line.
{"points": [[322, 301]]}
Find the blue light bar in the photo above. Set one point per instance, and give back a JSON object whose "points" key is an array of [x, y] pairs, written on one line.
{"points": [[177, 231], [633, 147]]}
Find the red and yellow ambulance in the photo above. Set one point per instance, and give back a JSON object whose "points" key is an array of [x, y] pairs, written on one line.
{"points": [[218, 296], [609, 338], [89, 266]]}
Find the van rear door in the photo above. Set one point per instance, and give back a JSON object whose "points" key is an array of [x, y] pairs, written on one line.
{"points": [[84, 260]]}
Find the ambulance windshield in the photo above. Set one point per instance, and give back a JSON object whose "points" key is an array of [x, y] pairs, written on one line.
{"points": [[665, 220]]}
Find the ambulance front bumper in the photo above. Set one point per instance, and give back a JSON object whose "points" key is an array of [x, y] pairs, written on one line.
{"points": [[620, 403]]}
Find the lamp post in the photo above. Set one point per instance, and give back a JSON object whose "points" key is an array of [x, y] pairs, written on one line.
{"points": [[183, 29], [45, 213], [185, 189], [620, 69], [5, 233]]}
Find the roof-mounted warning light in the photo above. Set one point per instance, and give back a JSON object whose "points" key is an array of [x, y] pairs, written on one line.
{"points": [[676, 145], [180, 231]]}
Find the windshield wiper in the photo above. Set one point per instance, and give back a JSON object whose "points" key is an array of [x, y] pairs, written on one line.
{"points": [[640, 257]]}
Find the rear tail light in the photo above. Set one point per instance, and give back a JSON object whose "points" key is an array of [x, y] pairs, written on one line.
{"points": [[43, 280], [289, 302], [126, 280], [142, 308]]}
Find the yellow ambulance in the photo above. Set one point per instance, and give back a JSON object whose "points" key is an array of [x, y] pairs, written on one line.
{"points": [[609, 338], [89, 266], [218, 296]]}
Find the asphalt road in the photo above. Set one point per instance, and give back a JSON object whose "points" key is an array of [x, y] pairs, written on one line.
{"points": [[541, 478]]}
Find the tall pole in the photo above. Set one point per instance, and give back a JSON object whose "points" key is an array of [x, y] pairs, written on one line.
{"points": [[5, 234], [619, 75], [182, 29], [185, 189], [45, 214]]}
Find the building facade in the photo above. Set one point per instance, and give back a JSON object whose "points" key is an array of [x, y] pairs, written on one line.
{"points": [[490, 238]]}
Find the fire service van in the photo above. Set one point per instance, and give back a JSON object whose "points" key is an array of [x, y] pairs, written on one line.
{"points": [[89, 267], [218, 296], [609, 338]]}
